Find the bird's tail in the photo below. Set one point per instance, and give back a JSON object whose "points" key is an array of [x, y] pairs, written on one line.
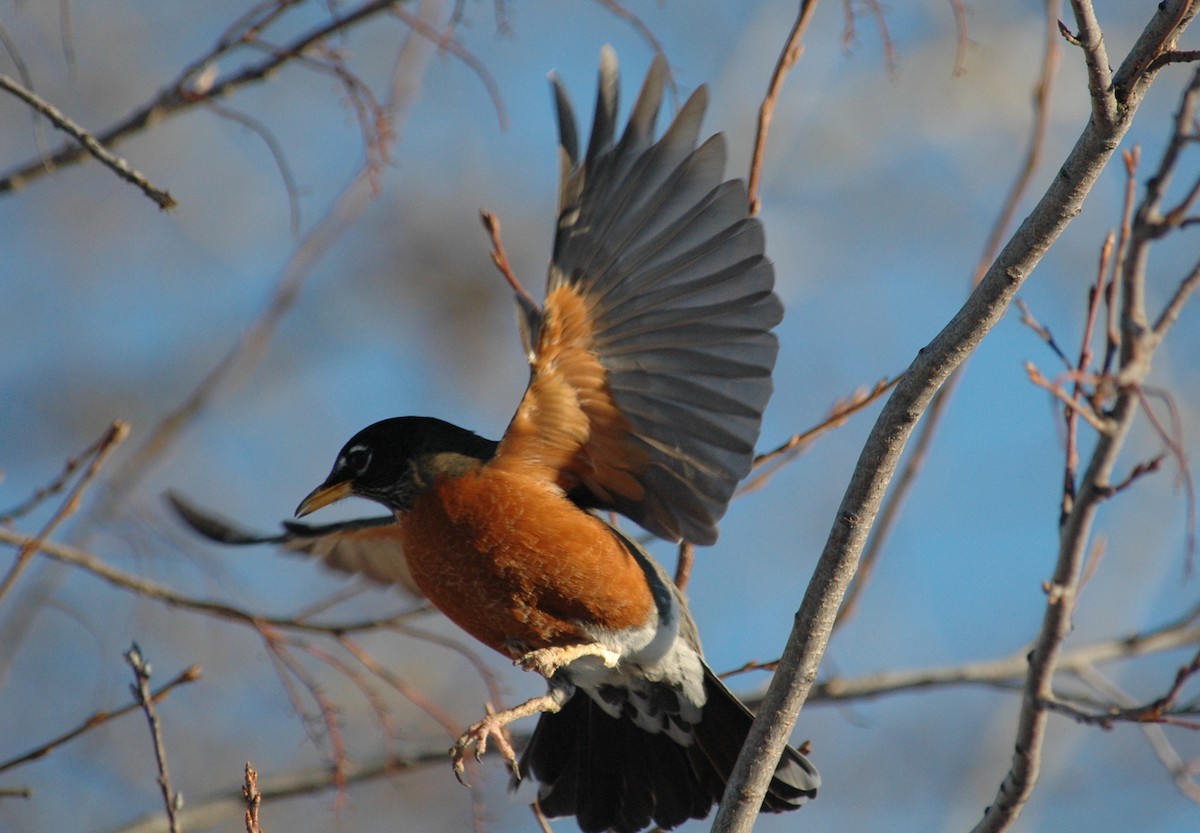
{"points": [[612, 775], [721, 734]]}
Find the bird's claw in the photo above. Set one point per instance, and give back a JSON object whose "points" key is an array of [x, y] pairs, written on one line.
{"points": [[477, 736]]}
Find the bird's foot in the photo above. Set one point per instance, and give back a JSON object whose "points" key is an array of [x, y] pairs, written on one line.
{"points": [[546, 661], [492, 726], [477, 736]]}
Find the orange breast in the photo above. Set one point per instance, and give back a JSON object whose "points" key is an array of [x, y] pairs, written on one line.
{"points": [[517, 565]]}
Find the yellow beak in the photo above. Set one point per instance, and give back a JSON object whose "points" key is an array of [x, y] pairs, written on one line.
{"points": [[323, 495]]}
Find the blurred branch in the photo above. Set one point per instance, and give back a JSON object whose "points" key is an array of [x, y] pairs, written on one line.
{"points": [[87, 142], [191, 87], [621, 12], [964, 37], [277, 154], [222, 808], [1008, 671], [893, 503], [99, 452], [18, 60], [237, 363], [1182, 772], [158, 592], [929, 371], [141, 692], [188, 675]]}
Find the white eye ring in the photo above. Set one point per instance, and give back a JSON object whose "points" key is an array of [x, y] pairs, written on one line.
{"points": [[357, 459]]}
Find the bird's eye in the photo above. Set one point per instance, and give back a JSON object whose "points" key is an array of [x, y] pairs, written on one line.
{"points": [[357, 459]]}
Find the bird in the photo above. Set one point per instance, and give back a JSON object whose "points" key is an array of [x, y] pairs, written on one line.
{"points": [[650, 360]]}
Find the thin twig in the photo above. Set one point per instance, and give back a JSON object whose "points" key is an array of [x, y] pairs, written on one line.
{"points": [[55, 486], [963, 40], [277, 153], [18, 60], [181, 95], [793, 48], [452, 727], [277, 645], [149, 589], [141, 693], [903, 483], [217, 810], [1072, 404], [99, 718], [1182, 772], [500, 258], [89, 142], [113, 437], [836, 417], [253, 799]]}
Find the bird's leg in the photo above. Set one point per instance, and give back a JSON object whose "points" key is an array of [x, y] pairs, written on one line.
{"points": [[493, 725], [546, 661]]}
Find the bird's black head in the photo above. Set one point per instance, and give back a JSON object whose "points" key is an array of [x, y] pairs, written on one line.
{"points": [[385, 462]]}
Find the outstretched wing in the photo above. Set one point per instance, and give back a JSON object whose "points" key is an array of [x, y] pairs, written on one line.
{"points": [[652, 356], [370, 546]]}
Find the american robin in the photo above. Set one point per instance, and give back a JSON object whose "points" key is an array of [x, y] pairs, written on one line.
{"points": [[651, 362]]}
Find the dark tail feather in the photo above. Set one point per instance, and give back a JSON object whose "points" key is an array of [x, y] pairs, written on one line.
{"points": [[612, 775], [721, 734]]}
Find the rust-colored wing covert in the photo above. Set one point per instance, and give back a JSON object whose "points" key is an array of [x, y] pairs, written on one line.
{"points": [[651, 359]]}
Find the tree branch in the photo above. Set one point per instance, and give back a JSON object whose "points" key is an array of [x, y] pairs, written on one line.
{"points": [[88, 142]]}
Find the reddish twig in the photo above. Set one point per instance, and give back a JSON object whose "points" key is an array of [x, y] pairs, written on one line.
{"points": [[793, 48], [1043, 333], [838, 414], [158, 592], [1059, 393], [413, 695], [289, 669], [500, 258], [621, 12], [352, 201]]}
